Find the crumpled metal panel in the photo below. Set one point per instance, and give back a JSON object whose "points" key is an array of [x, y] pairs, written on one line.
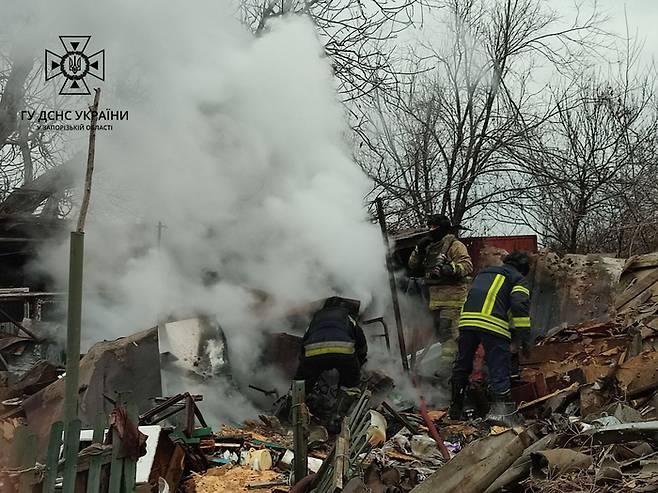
{"points": [[193, 348]]}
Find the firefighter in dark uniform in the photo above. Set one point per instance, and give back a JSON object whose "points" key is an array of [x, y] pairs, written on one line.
{"points": [[496, 311], [334, 341]]}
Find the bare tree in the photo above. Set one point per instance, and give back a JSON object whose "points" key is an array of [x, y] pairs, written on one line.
{"points": [[358, 36], [593, 165], [26, 149], [439, 144]]}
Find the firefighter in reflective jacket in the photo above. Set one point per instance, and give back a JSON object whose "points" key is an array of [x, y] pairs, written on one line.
{"points": [[446, 265], [496, 311], [334, 340]]}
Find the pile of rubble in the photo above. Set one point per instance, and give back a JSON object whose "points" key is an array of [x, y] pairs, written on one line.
{"points": [[588, 393]]}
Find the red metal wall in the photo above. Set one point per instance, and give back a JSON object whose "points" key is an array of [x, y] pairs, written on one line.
{"points": [[475, 244]]}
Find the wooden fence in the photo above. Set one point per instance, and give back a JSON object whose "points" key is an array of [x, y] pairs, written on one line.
{"points": [[98, 467]]}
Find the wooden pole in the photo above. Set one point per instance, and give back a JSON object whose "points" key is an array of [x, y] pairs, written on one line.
{"points": [[84, 206], [299, 436], [394, 290], [74, 315]]}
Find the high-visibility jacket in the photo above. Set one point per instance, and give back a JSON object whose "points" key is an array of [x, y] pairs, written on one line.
{"points": [[498, 302], [334, 331]]}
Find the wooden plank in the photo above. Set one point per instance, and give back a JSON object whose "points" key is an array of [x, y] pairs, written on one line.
{"points": [[52, 457], [299, 437], [637, 289], [27, 463], [116, 466], [189, 416], [342, 448], [95, 463], [527, 405], [175, 468], [130, 465], [399, 418], [18, 450], [478, 465], [71, 447]]}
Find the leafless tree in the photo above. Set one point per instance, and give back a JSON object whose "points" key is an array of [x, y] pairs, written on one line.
{"points": [[358, 36], [593, 165], [26, 149], [439, 143]]}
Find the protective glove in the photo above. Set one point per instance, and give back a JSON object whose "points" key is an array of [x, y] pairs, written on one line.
{"points": [[435, 273], [525, 348], [424, 242], [523, 341], [448, 270]]}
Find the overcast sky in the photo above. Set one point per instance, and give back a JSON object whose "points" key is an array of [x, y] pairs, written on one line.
{"points": [[642, 19]]}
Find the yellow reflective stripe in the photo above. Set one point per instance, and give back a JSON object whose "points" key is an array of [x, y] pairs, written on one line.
{"points": [[328, 350], [314, 345], [521, 322], [487, 318], [487, 326], [520, 289], [490, 300]]}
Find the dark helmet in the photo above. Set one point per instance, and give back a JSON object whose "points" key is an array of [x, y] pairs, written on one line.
{"points": [[519, 260], [440, 221], [353, 306]]}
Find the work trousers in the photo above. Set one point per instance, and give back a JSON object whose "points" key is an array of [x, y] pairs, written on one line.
{"points": [[496, 356], [445, 322], [348, 367]]}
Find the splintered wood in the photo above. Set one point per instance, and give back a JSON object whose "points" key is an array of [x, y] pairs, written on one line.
{"points": [[230, 479]]}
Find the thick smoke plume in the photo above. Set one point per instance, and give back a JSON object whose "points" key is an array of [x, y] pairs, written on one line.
{"points": [[235, 144]]}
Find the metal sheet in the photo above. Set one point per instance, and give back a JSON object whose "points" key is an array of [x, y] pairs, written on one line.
{"points": [[193, 348]]}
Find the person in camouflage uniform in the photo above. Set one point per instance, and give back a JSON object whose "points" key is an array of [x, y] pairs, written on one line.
{"points": [[446, 266]]}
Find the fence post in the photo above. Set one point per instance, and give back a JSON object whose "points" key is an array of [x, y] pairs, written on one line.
{"points": [[71, 448], [299, 435], [129, 464], [52, 457], [28, 461], [22, 456], [95, 464]]}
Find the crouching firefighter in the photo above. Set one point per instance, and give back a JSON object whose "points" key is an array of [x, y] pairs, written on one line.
{"points": [[334, 341], [496, 292]]}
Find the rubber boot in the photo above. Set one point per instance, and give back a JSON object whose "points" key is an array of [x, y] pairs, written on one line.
{"points": [[457, 402], [446, 358], [503, 411]]}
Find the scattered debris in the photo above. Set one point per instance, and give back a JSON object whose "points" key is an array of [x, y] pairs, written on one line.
{"points": [[588, 393]]}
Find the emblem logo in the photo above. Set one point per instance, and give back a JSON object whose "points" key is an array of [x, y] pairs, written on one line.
{"points": [[75, 65]]}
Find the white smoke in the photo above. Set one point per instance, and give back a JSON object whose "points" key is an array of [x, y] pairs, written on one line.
{"points": [[236, 144]]}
